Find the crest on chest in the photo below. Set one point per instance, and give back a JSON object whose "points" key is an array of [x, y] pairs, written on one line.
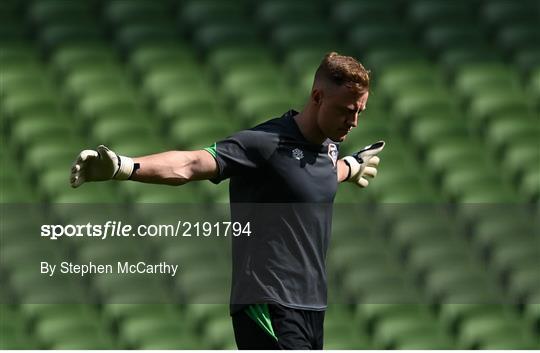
{"points": [[333, 153]]}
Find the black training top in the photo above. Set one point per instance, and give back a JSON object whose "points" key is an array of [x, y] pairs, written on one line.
{"points": [[284, 186]]}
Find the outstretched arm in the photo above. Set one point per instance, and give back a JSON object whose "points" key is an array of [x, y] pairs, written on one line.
{"points": [[175, 167], [170, 168]]}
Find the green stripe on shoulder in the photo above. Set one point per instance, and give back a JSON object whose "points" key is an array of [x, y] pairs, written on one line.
{"points": [[212, 150], [260, 314]]}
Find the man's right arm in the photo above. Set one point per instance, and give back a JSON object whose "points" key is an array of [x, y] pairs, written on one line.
{"points": [[175, 167], [170, 168]]}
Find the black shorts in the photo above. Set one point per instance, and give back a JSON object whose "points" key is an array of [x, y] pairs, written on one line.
{"points": [[292, 329]]}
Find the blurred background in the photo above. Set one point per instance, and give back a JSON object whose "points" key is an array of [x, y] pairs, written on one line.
{"points": [[455, 93]]}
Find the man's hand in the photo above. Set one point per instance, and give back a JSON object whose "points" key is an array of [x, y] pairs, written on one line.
{"points": [[100, 165], [363, 164]]}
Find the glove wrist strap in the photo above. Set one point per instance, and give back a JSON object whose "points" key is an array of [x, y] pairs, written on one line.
{"points": [[125, 168]]}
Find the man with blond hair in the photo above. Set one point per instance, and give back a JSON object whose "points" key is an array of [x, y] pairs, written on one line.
{"points": [[286, 171]]}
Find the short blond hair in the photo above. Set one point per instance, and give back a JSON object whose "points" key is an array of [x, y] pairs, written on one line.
{"points": [[343, 70]]}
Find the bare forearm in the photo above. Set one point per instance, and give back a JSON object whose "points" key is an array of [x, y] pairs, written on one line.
{"points": [[342, 171], [174, 167]]}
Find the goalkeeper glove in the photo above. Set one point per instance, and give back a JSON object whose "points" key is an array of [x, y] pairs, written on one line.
{"points": [[100, 165], [364, 163]]}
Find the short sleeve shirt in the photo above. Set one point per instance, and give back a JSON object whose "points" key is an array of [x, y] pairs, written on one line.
{"points": [[285, 187]]}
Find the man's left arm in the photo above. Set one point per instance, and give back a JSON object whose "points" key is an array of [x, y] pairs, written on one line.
{"points": [[362, 164]]}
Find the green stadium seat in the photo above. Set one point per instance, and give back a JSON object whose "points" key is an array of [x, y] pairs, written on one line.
{"points": [[426, 13], [514, 256], [122, 311], [457, 153], [534, 83], [421, 226], [255, 79], [103, 101], [112, 131], [219, 334], [137, 331], [173, 342], [216, 35], [56, 330], [530, 183], [465, 55], [132, 36], [423, 100], [288, 36], [150, 56], [452, 315], [68, 57], [279, 12], [30, 132], [58, 11], [525, 281], [474, 78], [504, 132], [527, 59], [390, 332], [500, 12], [427, 130], [159, 82], [399, 78], [55, 35], [378, 35], [477, 185], [444, 36], [433, 255], [29, 102], [185, 101], [341, 331], [258, 108], [235, 57], [192, 14], [460, 283], [197, 132], [345, 13], [122, 12], [378, 59], [478, 331], [519, 36]]}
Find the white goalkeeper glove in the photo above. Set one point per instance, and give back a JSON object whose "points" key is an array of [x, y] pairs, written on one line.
{"points": [[364, 164], [100, 165]]}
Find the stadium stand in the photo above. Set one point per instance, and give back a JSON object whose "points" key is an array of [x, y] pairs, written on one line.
{"points": [[456, 96]]}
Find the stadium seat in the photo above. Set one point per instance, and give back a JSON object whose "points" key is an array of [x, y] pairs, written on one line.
{"points": [[519, 36], [474, 78], [55, 35], [132, 36], [148, 57], [445, 36], [58, 11], [373, 36], [215, 35], [279, 12], [288, 36], [122, 12], [503, 132], [530, 184], [501, 12], [425, 13], [479, 330], [346, 12], [136, 331], [68, 57], [193, 14]]}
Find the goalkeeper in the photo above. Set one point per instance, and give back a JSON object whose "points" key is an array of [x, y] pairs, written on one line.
{"points": [[278, 292]]}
